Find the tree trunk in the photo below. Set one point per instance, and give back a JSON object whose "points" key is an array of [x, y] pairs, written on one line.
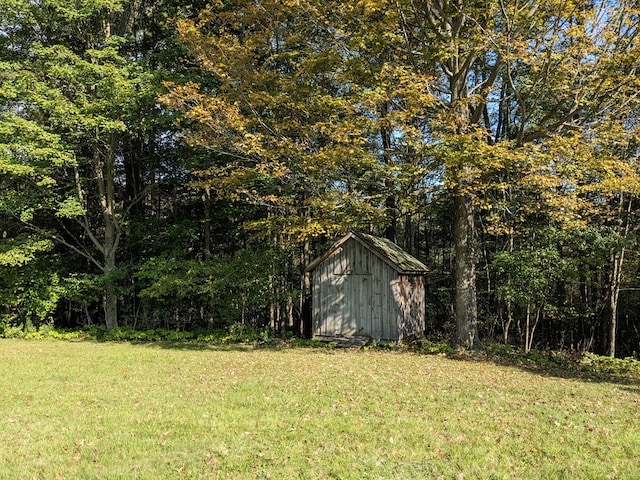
{"points": [[531, 329], [465, 274], [409, 237], [610, 317], [391, 231], [134, 154], [527, 333], [615, 279], [105, 179], [301, 327], [507, 325], [206, 203], [110, 301]]}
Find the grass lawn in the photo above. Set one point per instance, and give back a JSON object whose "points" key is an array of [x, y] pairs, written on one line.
{"points": [[84, 410]]}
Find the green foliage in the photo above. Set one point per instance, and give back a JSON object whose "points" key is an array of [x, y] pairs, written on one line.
{"points": [[19, 251], [424, 345], [83, 288], [236, 333], [129, 334], [35, 280], [28, 148], [70, 207], [31, 281], [231, 288], [297, 342], [629, 366], [527, 275], [563, 362], [47, 332]]}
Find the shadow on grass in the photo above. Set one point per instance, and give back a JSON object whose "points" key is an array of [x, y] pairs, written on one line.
{"points": [[556, 365], [634, 389], [196, 346], [274, 346], [567, 365], [545, 364]]}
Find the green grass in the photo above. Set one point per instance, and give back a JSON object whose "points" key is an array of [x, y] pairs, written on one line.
{"points": [[117, 410]]}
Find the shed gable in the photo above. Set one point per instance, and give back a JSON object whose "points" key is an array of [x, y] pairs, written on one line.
{"points": [[386, 250]]}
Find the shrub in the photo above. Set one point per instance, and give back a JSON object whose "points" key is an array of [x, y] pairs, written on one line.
{"points": [[423, 345], [614, 366]]}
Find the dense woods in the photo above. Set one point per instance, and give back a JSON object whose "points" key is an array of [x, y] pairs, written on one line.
{"points": [[178, 164]]}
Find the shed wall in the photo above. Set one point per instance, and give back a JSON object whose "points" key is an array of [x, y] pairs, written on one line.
{"points": [[411, 297], [356, 293]]}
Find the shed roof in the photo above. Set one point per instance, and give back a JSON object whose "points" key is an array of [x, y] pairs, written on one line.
{"points": [[385, 249]]}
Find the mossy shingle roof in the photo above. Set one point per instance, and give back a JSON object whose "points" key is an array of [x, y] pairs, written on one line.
{"points": [[388, 251]]}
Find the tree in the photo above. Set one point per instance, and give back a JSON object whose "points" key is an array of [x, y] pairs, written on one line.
{"points": [[513, 78], [468, 89], [282, 126], [86, 76], [31, 156], [85, 99], [284, 134]]}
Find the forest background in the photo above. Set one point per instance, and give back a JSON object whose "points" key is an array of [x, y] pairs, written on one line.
{"points": [[169, 164]]}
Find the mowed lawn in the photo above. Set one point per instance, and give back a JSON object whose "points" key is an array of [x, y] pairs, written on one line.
{"points": [[114, 410]]}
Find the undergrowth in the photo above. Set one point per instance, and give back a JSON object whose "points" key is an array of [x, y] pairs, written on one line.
{"points": [[561, 361], [234, 334], [552, 361]]}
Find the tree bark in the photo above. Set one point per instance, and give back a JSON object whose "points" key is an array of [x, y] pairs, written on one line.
{"points": [[304, 318], [105, 179], [465, 274], [615, 278], [391, 231], [110, 302], [206, 204]]}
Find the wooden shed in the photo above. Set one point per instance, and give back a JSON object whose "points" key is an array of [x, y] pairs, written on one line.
{"points": [[366, 285]]}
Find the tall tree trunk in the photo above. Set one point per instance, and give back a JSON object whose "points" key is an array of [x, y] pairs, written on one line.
{"points": [[105, 179], [464, 221], [465, 273], [509, 306], [391, 232], [615, 278], [527, 332], [531, 329], [409, 236], [206, 204], [304, 320], [507, 325], [110, 300]]}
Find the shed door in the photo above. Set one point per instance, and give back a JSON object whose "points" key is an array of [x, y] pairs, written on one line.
{"points": [[375, 309], [349, 304], [362, 301], [351, 311]]}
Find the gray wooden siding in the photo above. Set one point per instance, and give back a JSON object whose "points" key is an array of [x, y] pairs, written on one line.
{"points": [[412, 301], [356, 293]]}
